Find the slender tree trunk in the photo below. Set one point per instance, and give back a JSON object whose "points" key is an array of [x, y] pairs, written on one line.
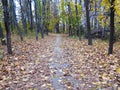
{"points": [[27, 9], [70, 20], [48, 15], [6, 21], [95, 24], [63, 27], [80, 1], [36, 19], [57, 27], [31, 15], [12, 5], [88, 22], [112, 31], [12, 26], [39, 17], [76, 8], [24, 23], [43, 18], [3, 41]]}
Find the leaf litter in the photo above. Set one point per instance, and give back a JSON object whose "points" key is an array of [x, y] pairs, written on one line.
{"points": [[81, 67]]}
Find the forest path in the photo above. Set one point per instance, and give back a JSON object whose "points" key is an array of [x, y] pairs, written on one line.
{"points": [[71, 70], [58, 62], [60, 68]]}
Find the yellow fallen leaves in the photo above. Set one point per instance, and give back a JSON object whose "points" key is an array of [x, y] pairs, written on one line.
{"points": [[45, 85], [32, 89], [93, 61], [104, 64], [99, 83], [105, 76], [118, 70], [82, 75], [118, 88]]}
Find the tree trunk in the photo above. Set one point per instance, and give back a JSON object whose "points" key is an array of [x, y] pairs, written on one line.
{"points": [[43, 18], [63, 27], [76, 8], [70, 19], [24, 23], [12, 5], [31, 15], [88, 22], [112, 31], [57, 27], [36, 19], [47, 15], [27, 10], [95, 19], [6, 21], [3, 41]]}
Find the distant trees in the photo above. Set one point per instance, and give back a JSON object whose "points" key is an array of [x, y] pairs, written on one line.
{"points": [[36, 19], [56, 16], [76, 17], [23, 16], [31, 14], [98, 14], [70, 19], [43, 17], [13, 21], [78, 22]]}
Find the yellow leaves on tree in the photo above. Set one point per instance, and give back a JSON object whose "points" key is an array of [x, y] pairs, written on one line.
{"points": [[117, 7], [106, 4]]}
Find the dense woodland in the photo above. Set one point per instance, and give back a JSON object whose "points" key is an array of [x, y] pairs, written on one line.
{"points": [[83, 18], [97, 21]]}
